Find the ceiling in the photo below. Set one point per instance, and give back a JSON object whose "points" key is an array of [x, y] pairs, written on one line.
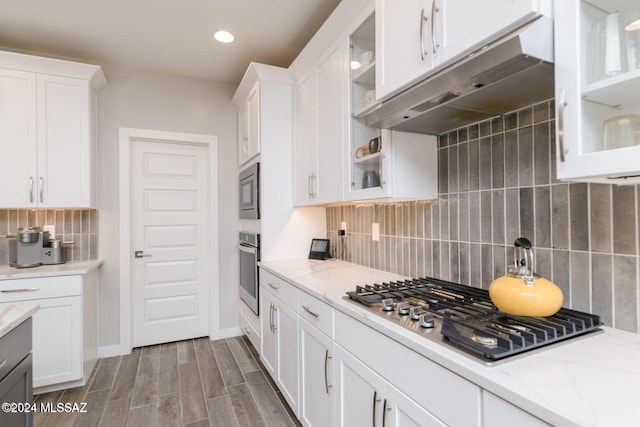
{"points": [[170, 36]]}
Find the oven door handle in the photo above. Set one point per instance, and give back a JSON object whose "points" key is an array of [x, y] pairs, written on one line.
{"points": [[248, 249]]}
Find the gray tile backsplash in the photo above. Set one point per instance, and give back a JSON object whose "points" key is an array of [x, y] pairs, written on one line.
{"points": [[80, 225], [497, 182]]}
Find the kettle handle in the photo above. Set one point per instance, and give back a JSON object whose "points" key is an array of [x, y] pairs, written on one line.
{"points": [[522, 242], [523, 252]]}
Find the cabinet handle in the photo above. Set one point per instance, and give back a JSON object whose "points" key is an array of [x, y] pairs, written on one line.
{"points": [[384, 413], [312, 192], [30, 189], [423, 19], [275, 325], [9, 291], [375, 401], [41, 190], [308, 310], [247, 330], [309, 185], [326, 366], [271, 317], [314, 183], [434, 10], [562, 102], [4, 362], [272, 286]]}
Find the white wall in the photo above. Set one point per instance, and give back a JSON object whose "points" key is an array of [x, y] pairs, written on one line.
{"points": [[149, 100]]}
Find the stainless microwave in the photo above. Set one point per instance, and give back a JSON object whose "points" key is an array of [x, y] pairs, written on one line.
{"points": [[250, 192]]}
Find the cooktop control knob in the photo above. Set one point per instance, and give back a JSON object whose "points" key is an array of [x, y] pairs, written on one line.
{"points": [[415, 312], [387, 304], [403, 308], [426, 320]]}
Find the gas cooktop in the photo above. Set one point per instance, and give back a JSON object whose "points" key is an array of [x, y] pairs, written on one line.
{"points": [[466, 318]]}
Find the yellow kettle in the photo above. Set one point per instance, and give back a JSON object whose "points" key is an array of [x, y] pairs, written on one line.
{"points": [[521, 291]]}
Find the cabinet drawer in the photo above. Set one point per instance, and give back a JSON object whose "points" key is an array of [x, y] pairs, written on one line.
{"points": [[250, 331], [316, 312], [448, 396], [283, 290], [14, 347], [39, 288]]}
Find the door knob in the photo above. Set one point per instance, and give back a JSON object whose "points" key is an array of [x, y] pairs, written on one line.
{"points": [[141, 254]]}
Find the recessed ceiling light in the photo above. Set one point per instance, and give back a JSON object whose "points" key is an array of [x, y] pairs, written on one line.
{"points": [[223, 36], [634, 26]]}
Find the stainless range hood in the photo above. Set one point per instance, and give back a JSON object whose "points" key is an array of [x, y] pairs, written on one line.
{"points": [[512, 72]]}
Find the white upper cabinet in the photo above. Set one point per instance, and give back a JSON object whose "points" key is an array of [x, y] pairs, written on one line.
{"points": [[597, 73], [403, 43], [47, 132], [18, 141], [319, 131], [382, 164], [249, 126], [304, 140], [417, 36]]}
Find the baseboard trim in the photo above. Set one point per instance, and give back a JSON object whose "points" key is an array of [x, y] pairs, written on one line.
{"points": [[226, 333], [109, 351], [116, 350]]}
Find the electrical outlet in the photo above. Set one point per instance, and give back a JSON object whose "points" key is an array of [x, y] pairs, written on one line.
{"points": [[375, 232], [51, 229]]}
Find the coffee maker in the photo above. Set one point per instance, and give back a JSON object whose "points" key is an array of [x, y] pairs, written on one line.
{"points": [[31, 247], [25, 249]]}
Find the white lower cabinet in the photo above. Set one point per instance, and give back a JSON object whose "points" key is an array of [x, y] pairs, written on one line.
{"points": [[64, 328], [363, 398], [57, 343], [280, 345], [497, 412], [250, 324], [316, 376], [447, 396], [335, 371]]}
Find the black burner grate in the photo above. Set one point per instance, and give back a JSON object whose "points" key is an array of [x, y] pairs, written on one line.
{"points": [[471, 321]]}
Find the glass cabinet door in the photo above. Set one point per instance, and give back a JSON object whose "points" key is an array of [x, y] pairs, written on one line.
{"points": [[367, 144], [597, 55], [611, 102]]}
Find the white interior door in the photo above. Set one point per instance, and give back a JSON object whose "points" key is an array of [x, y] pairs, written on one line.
{"points": [[169, 230]]}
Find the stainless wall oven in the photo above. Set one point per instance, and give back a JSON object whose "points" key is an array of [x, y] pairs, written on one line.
{"points": [[250, 192], [249, 277]]}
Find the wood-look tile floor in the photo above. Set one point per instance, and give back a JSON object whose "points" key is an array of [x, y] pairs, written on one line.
{"points": [[188, 383]]}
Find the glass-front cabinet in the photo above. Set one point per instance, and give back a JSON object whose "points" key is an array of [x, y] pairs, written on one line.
{"points": [[382, 164], [597, 55], [367, 145]]}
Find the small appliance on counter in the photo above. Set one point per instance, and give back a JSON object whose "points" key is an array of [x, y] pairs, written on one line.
{"points": [[31, 247]]}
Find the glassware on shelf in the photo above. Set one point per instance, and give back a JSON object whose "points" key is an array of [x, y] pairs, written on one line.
{"points": [[607, 55], [614, 44], [622, 131]]}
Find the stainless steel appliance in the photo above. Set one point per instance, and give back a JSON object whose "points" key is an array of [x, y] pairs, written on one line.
{"points": [[472, 88], [249, 277], [25, 248], [464, 317], [250, 192], [54, 252], [31, 247]]}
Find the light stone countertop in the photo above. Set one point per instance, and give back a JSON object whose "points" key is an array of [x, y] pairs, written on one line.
{"points": [[588, 381], [70, 268], [12, 315]]}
